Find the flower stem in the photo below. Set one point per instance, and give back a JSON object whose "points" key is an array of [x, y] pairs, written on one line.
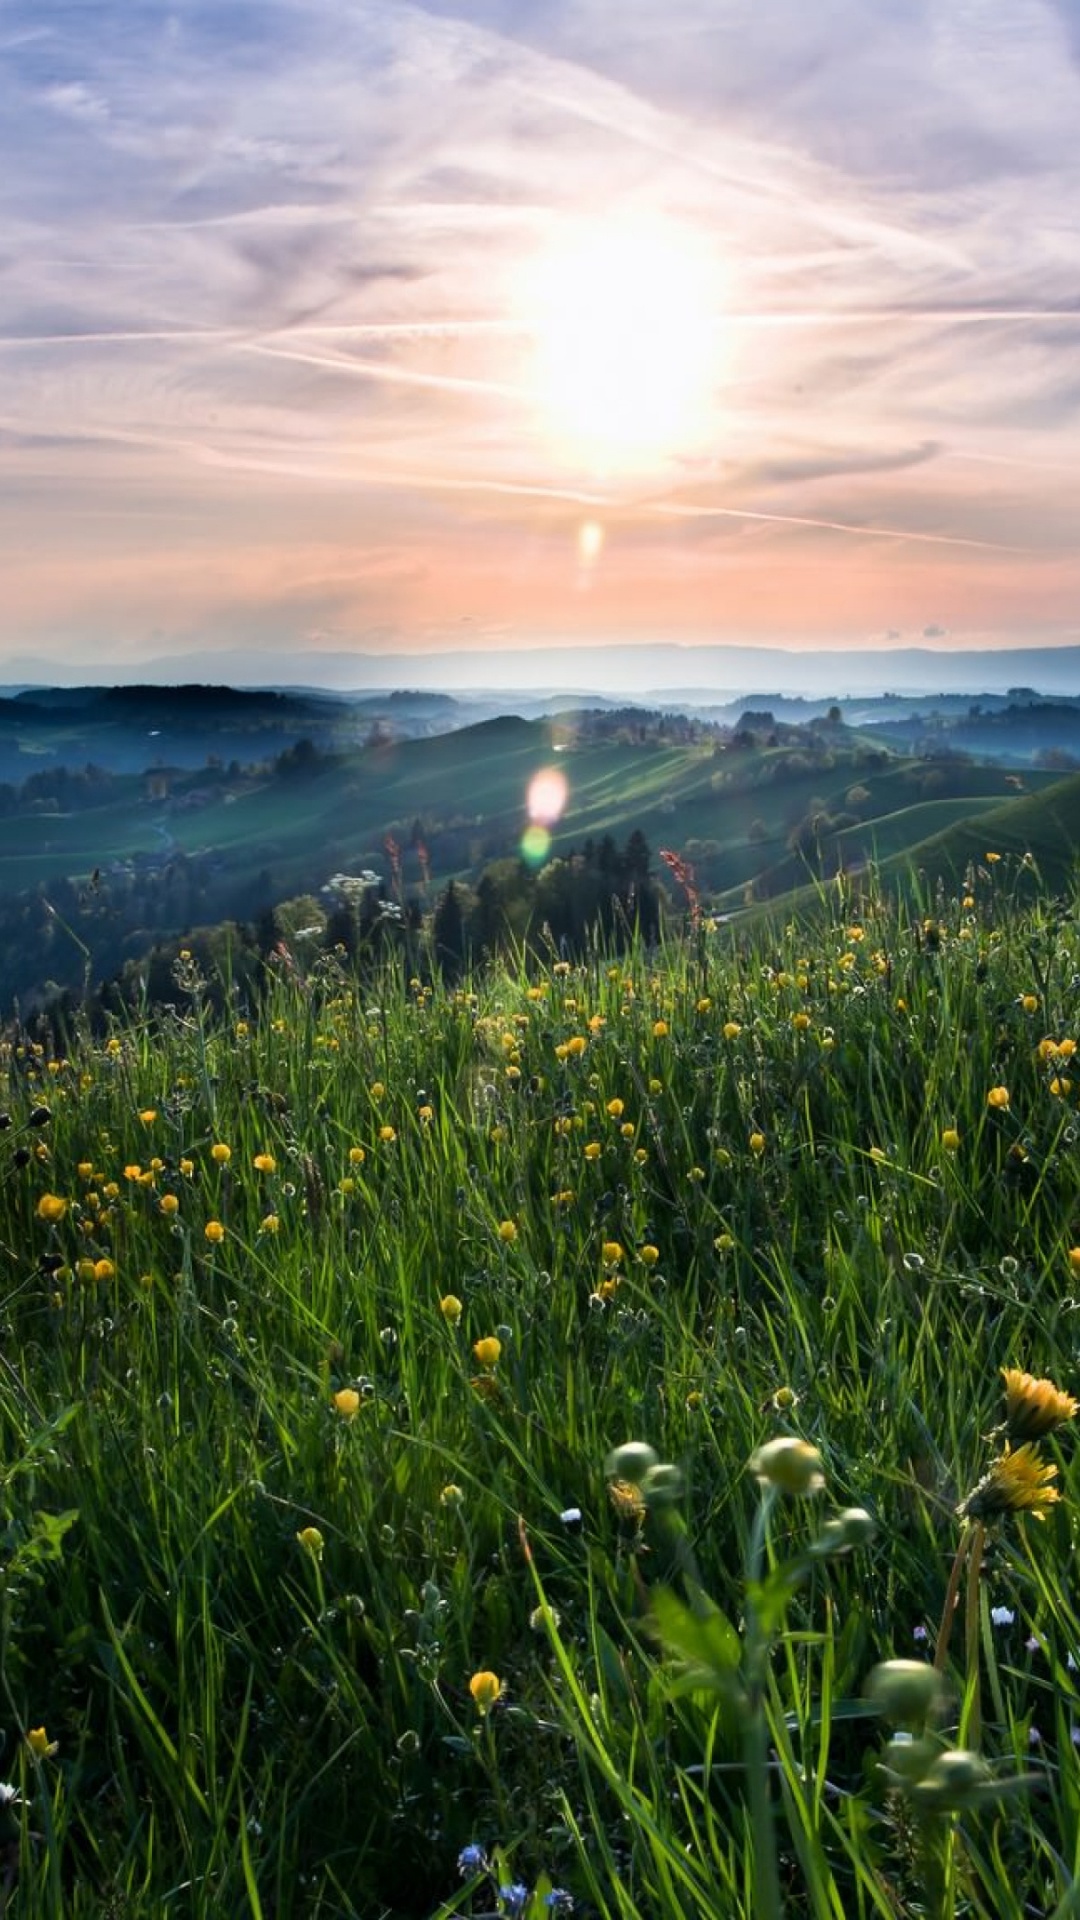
{"points": [[971, 1633], [941, 1650], [768, 1904]]}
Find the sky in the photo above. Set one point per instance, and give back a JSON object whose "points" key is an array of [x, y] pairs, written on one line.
{"points": [[328, 325]]}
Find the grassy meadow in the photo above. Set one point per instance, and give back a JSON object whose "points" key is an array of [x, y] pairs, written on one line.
{"points": [[330, 1583]]}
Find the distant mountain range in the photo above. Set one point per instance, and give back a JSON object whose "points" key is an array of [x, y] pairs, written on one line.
{"points": [[661, 674]]}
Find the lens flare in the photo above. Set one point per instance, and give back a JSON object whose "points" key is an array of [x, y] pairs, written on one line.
{"points": [[535, 845], [546, 799]]}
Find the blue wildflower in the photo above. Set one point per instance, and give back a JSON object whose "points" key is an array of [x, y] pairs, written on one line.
{"points": [[513, 1897], [559, 1900], [471, 1859]]}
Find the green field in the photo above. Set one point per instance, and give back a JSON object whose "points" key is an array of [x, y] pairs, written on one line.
{"points": [[324, 1590]]}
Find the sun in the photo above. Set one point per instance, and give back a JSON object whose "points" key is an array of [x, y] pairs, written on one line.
{"points": [[624, 316]]}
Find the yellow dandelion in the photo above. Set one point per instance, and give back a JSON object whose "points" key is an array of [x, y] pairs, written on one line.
{"points": [[1034, 1407], [1019, 1481]]}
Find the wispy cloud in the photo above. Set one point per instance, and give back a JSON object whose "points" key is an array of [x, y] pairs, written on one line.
{"points": [[261, 270]]}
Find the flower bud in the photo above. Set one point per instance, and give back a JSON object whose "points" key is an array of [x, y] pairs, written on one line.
{"points": [[632, 1462], [904, 1690], [792, 1466]]}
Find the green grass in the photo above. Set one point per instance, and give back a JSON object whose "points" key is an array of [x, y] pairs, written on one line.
{"points": [[702, 1199]]}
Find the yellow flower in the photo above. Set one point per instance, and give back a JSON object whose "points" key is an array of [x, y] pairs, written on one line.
{"points": [[85, 1169], [377, 1090], [148, 1116], [575, 1046], [452, 1495], [1034, 1407], [85, 1271], [508, 1232], [649, 1255], [757, 1143], [616, 1109], [133, 1171], [347, 1402], [724, 1242], [950, 1139], [214, 1232], [221, 1153], [1029, 1002], [169, 1203], [271, 1224], [187, 1168], [312, 1541], [1018, 1482], [611, 1253], [386, 1135], [451, 1309], [104, 1270], [487, 1350], [660, 1029], [800, 1022], [39, 1743], [627, 1500], [993, 858], [51, 1208], [264, 1163], [592, 1150], [485, 1688], [357, 1156], [998, 1097]]}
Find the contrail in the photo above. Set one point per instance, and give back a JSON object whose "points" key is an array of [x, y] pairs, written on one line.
{"points": [[675, 510]]}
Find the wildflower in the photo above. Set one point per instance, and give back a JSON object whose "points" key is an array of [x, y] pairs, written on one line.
{"points": [[471, 1859], [1018, 1481], [627, 1499], [386, 1135], [649, 1255], [270, 1224], [214, 1232], [792, 1466], [1074, 1260], [357, 1156], [508, 1232], [993, 858], [377, 1090], [51, 1208], [264, 1163], [724, 1242], [757, 1144], [950, 1139], [611, 1253], [513, 1896], [347, 1402], [485, 1688], [451, 1309], [1034, 1407], [1029, 1002], [592, 1150], [451, 1496], [660, 1029], [904, 1690], [187, 1168], [998, 1097], [1002, 1616], [40, 1745], [169, 1203], [148, 1116], [800, 1022], [543, 1617], [487, 1350], [104, 1270], [312, 1541], [133, 1171], [616, 1108], [221, 1153]]}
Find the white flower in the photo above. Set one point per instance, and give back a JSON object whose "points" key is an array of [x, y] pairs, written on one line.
{"points": [[1002, 1616]]}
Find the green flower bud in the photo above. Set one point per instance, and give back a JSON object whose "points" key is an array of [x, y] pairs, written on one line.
{"points": [[632, 1462], [904, 1690], [793, 1466], [953, 1781]]}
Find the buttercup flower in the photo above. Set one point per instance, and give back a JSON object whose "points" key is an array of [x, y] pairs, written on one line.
{"points": [[485, 1688], [1018, 1481], [998, 1097], [221, 1153], [51, 1208], [264, 1163], [347, 1402], [214, 1232], [1034, 1407], [487, 1350], [40, 1745], [312, 1541], [451, 1309], [508, 1232]]}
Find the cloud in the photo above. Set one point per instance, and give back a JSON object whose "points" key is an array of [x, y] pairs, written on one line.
{"points": [[270, 257]]}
